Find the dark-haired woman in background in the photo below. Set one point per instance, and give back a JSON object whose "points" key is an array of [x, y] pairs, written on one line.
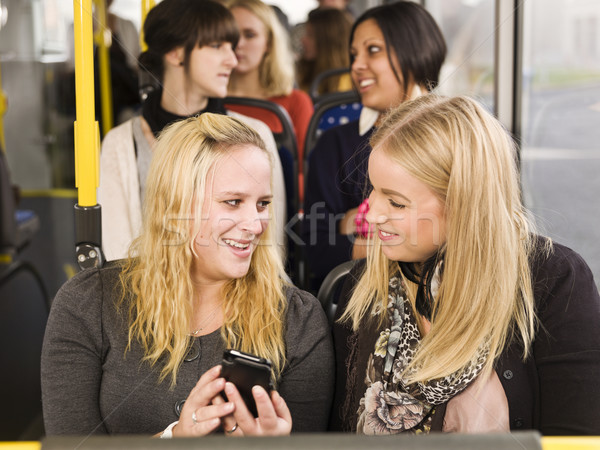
{"points": [[190, 53], [396, 53]]}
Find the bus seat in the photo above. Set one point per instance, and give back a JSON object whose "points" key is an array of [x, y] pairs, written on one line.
{"points": [[321, 77], [17, 227], [331, 287], [24, 311]]}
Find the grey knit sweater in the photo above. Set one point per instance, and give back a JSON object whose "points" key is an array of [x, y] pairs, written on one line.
{"points": [[91, 385]]}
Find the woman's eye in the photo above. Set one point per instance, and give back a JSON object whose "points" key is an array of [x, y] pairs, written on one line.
{"points": [[233, 202], [396, 205], [374, 48], [249, 34], [216, 45], [262, 205]]}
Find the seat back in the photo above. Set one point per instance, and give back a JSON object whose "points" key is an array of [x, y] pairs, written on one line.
{"points": [[331, 287], [23, 315], [321, 77]]}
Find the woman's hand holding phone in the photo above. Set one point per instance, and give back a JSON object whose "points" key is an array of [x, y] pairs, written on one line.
{"points": [[200, 415], [274, 418]]}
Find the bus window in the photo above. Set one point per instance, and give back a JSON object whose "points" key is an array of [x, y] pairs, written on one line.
{"points": [[560, 116]]}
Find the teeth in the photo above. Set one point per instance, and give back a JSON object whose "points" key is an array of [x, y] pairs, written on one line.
{"points": [[383, 233], [365, 83], [236, 244]]}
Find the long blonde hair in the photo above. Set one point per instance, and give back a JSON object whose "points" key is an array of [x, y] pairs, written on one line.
{"points": [[157, 284], [276, 70], [467, 158]]}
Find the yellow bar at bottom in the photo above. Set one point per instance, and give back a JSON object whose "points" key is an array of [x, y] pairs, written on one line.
{"points": [[571, 443], [25, 445]]}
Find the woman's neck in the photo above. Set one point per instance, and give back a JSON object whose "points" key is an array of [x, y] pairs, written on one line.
{"points": [[246, 85], [207, 315], [179, 98]]}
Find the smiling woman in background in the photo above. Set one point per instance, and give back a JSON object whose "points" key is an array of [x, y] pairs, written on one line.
{"points": [[135, 346], [396, 53]]}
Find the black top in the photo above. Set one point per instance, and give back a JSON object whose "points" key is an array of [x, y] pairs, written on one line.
{"points": [[556, 390], [336, 181]]}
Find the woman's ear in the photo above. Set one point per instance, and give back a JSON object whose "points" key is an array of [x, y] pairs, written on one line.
{"points": [[175, 57]]}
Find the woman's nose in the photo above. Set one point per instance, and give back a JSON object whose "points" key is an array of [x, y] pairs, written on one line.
{"points": [[253, 223], [375, 215], [231, 60], [358, 63]]}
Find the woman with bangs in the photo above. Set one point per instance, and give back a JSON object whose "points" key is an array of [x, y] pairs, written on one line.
{"points": [[190, 57], [462, 319], [135, 347]]}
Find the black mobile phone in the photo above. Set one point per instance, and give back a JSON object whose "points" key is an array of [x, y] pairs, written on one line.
{"points": [[246, 371]]}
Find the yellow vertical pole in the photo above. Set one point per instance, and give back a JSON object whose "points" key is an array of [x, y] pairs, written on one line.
{"points": [[147, 5], [87, 136], [103, 39], [3, 108], [88, 223]]}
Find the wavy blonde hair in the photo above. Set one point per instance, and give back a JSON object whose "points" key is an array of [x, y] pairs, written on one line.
{"points": [[157, 284], [469, 161], [276, 70]]}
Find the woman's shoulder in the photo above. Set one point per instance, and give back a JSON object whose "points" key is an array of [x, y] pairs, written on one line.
{"points": [[303, 307], [562, 280], [343, 139], [87, 288], [306, 322], [551, 259], [121, 132], [300, 298]]}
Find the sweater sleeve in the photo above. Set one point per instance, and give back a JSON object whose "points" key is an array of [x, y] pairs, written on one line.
{"points": [[567, 348], [306, 383], [71, 368]]}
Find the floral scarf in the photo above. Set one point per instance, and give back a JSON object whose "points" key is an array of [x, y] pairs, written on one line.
{"points": [[389, 405]]}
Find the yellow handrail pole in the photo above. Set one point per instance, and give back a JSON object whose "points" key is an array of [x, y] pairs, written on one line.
{"points": [[147, 5], [3, 108], [86, 128], [88, 224], [103, 39]]}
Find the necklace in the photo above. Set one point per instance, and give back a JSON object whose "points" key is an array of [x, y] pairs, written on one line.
{"points": [[206, 321]]}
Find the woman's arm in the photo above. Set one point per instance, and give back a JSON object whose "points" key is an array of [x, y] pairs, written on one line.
{"points": [[567, 346], [72, 359], [329, 194], [306, 383]]}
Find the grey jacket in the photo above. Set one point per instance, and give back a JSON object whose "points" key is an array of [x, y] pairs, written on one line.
{"points": [[90, 384]]}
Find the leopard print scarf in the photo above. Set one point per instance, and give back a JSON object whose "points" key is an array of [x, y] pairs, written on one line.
{"points": [[389, 405]]}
